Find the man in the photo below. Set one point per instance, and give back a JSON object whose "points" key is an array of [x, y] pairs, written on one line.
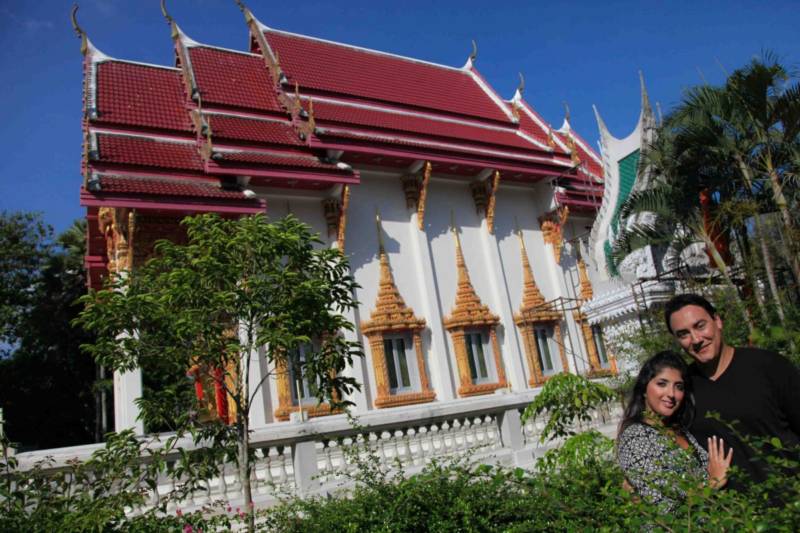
{"points": [[755, 390]]}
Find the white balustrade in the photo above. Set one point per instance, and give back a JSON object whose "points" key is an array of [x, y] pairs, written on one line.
{"points": [[323, 454]]}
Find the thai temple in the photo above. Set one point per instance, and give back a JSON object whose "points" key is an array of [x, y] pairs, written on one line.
{"points": [[477, 232], [639, 283]]}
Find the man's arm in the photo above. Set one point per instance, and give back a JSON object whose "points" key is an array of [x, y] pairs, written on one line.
{"points": [[786, 375]]}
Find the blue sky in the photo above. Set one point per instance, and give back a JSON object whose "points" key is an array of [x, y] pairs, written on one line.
{"points": [[581, 52]]}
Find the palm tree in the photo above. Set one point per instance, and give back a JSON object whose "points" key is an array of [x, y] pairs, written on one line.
{"points": [[669, 214], [737, 146]]}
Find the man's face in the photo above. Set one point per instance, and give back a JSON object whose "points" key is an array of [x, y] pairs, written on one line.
{"points": [[698, 333]]}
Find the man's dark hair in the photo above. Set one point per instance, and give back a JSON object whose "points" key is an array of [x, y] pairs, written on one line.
{"points": [[679, 301]]}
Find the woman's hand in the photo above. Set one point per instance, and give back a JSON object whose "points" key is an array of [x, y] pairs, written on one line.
{"points": [[718, 462]]}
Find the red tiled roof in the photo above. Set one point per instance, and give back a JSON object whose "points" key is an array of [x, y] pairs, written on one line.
{"points": [[161, 187], [589, 164], [140, 95], [233, 79], [532, 128], [143, 151], [253, 130], [275, 158], [452, 146], [346, 114], [342, 69], [579, 202]]}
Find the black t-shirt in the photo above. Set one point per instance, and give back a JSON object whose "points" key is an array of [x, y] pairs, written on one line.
{"points": [[759, 393]]}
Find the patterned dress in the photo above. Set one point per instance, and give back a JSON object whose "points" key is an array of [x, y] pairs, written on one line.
{"points": [[655, 465]]}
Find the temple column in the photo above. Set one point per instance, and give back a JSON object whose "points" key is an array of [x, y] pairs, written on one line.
{"points": [[259, 406], [511, 346], [441, 371], [127, 389], [335, 209]]}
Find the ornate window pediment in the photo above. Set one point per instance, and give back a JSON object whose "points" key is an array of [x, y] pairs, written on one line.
{"points": [[540, 326], [395, 341], [470, 320]]}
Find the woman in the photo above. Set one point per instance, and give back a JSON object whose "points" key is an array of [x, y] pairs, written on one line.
{"points": [[654, 446]]}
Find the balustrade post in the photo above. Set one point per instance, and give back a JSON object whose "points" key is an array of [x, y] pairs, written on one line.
{"points": [[304, 461], [511, 429]]}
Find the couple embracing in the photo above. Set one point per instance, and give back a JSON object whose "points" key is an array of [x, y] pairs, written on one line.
{"points": [[665, 434]]}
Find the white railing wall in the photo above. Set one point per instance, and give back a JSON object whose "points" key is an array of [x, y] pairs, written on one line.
{"points": [[320, 455]]}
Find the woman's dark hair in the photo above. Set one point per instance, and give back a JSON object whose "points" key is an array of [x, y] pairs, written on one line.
{"points": [[634, 409]]}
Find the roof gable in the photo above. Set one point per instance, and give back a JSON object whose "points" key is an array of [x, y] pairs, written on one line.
{"points": [[336, 68], [131, 94], [233, 79]]}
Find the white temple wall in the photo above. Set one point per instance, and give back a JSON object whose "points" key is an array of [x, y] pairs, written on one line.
{"points": [[424, 268], [517, 209]]}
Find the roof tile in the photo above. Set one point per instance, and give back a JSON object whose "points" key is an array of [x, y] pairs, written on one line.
{"points": [[253, 130], [141, 151], [282, 159], [346, 70], [140, 95], [161, 187], [345, 114], [233, 79]]}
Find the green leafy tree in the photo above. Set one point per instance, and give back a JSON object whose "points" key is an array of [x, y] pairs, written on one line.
{"points": [[567, 399], [237, 289], [26, 243], [45, 378], [737, 145]]}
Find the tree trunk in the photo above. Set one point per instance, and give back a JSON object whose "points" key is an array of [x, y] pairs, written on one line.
{"points": [[244, 472], [768, 268], [723, 268], [786, 216], [768, 263], [752, 288]]}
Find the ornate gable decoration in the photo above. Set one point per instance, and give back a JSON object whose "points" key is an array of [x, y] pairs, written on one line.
{"points": [[552, 225], [468, 311]]}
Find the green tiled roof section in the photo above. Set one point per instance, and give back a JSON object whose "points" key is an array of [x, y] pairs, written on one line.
{"points": [[628, 167], [612, 269]]}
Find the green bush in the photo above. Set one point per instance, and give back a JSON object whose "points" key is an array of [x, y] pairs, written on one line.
{"points": [[577, 487]]}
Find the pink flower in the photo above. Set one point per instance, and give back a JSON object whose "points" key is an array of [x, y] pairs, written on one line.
{"points": [[188, 528], [178, 512]]}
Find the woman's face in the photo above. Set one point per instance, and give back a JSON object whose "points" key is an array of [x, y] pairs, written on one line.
{"points": [[665, 392]]}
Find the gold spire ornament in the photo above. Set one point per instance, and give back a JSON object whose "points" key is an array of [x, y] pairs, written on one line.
{"points": [[392, 317], [469, 313], [535, 312]]}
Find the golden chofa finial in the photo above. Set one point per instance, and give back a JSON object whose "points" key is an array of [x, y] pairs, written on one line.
{"points": [[474, 55], [566, 110], [521, 86], [164, 12], [172, 24], [248, 15], [78, 30]]}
